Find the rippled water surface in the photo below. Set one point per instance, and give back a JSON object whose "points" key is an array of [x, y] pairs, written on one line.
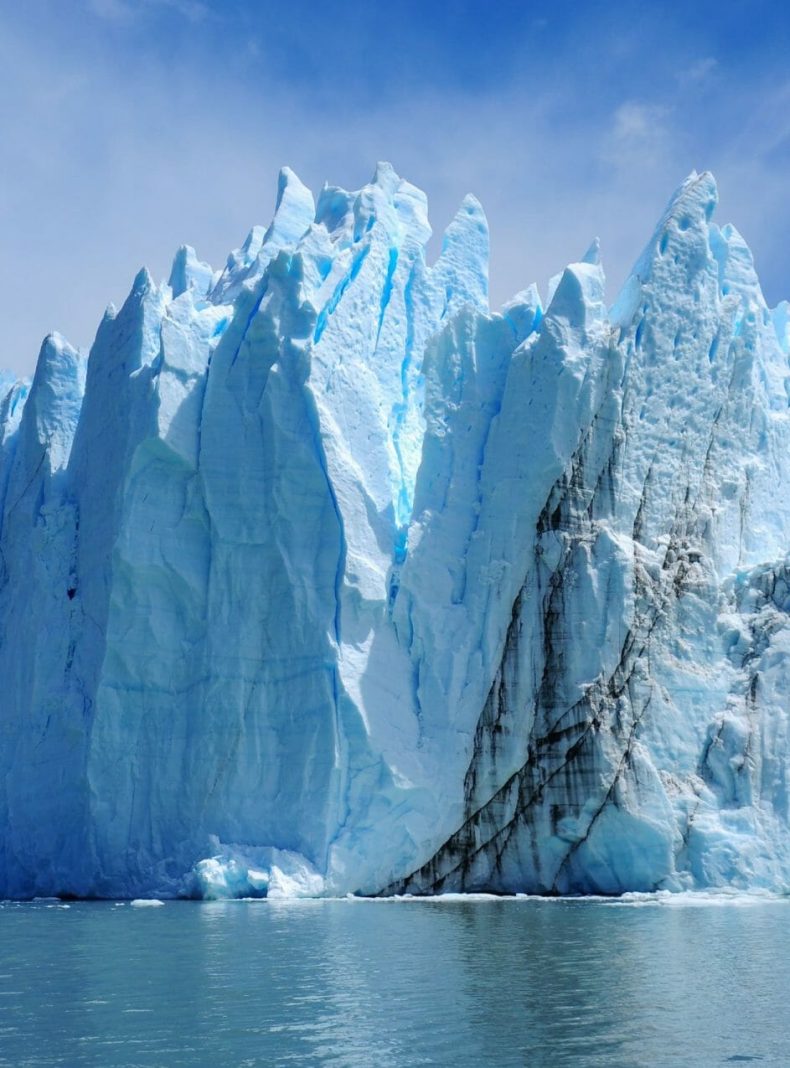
{"points": [[698, 982]]}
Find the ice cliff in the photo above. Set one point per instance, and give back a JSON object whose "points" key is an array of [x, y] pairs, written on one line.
{"points": [[317, 576]]}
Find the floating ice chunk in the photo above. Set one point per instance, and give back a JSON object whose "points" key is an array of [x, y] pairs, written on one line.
{"points": [[228, 877], [240, 872]]}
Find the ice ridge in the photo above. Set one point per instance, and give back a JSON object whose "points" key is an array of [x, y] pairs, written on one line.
{"points": [[317, 576]]}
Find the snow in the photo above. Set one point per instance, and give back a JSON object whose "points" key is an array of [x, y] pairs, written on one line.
{"points": [[318, 577]]}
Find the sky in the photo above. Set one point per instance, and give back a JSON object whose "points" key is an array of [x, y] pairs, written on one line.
{"points": [[130, 127]]}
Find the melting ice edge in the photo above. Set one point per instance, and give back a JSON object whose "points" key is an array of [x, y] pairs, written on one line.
{"points": [[317, 577]]}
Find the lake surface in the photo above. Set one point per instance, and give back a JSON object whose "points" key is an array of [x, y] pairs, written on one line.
{"points": [[484, 982]]}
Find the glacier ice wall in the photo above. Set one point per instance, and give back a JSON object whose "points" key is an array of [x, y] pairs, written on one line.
{"points": [[316, 576]]}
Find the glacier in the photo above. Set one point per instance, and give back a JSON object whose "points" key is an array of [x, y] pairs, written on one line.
{"points": [[317, 576]]}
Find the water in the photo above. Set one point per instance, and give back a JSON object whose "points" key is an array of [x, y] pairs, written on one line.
{"points": [[372, 984]]}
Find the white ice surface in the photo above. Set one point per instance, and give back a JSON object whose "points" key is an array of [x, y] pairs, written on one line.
{"points": [[319, 577]]}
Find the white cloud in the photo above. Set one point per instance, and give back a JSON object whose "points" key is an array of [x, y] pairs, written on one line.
{"points": [[113, 10], [639, 133], [193, 10], [699, 73], [101, 172], [127, 10]]}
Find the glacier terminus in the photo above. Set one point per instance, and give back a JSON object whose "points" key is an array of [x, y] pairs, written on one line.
{"points": [[319, 577]]}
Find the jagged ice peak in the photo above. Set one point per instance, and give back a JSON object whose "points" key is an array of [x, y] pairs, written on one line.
{"points": [[318, 577]]}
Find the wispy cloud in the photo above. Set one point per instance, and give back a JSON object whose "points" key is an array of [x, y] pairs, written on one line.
{"points": [[161, 122], [699, 72], [128, 10], [638, 124], [115, 10], [639, 133]]}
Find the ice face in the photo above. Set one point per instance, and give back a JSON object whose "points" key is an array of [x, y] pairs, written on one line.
{"points": [[320, 577]]}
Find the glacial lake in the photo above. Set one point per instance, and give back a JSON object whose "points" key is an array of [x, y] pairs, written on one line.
{"points": [[694, 980]]}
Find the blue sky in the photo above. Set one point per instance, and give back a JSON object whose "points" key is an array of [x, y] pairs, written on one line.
{"points": [[128, 127]]}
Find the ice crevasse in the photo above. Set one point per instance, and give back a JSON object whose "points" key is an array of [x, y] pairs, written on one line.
{"points": [[318, 577]]}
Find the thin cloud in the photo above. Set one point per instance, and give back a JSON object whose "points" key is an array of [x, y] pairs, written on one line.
{"points": [[113, 10], [101, 171], [128, 10], [638, 134], [699, 73]]}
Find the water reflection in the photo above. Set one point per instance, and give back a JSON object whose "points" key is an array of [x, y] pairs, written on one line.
{"points": [[394, 983]]}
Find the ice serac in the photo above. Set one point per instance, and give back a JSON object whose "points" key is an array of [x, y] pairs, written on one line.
{"points": [[592, 766], [318, 576]]}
